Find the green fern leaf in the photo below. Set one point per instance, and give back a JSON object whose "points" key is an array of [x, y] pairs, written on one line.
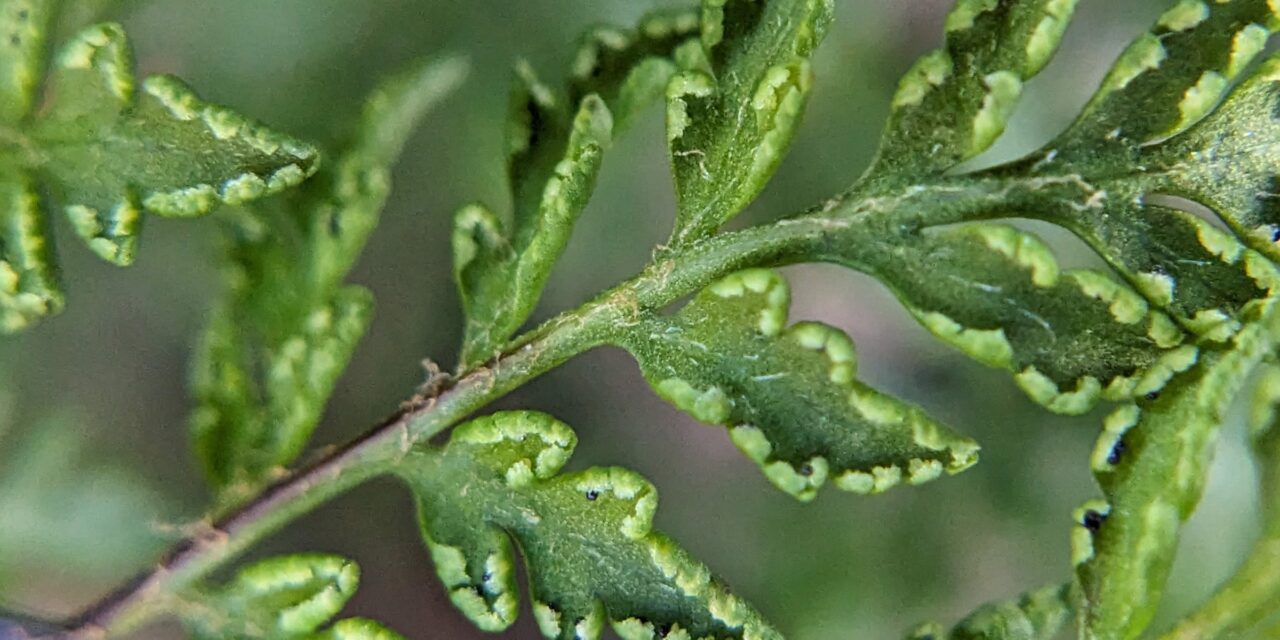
{"points": [[1178, 71], [107, 150], [789, 394], [1003, 301], [954, 103], [1072, 337], [282, 597], [1228, 161], [556, 141], [1181, 263], [28, 278], [733, 110], [287, 313], [586, 538], [1150, 462], [24, 27], [1039, 615], [357, 629]]}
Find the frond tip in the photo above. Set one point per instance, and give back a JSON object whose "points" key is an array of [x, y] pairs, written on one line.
{"points": [[586, 538]]}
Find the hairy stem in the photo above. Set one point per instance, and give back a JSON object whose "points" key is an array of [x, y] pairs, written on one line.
{"points": [[671, 276]]}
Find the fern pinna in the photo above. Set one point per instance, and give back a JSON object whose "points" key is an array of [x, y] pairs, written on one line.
{"points": [[1171, 333]]}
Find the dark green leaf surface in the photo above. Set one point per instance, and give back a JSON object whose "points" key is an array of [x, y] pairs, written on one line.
{"points": [[1230, 161], [789, 395], [1181, 263], [1072, 337], [997, 294], [586, 539], [277, 344], [734, 108], [954, 103], [556, 141], [1170, 77], [1066, 350]]}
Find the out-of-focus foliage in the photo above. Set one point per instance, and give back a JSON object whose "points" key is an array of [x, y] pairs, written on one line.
{"points": [[55, 505]]}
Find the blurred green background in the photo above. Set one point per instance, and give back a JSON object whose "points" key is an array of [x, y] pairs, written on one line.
{"points": [[95, 470]]}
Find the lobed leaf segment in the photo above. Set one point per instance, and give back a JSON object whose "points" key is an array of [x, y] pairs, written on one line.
{"points": [[789, 395], [288, 325], [284, 598], [106, 148], [556, 141], [586, 537]]}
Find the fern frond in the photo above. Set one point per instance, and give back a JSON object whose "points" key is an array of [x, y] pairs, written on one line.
{"points": [[732, 111], [586, 539], [108, 148], [102, 124], [1039, 615], [287, 313], [1178, 72], [1150, 462], [1073, 338], [789, 395], [556, 141]]}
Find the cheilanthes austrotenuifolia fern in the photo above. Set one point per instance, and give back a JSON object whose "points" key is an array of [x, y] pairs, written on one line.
{"points": [[1171, 333]]}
